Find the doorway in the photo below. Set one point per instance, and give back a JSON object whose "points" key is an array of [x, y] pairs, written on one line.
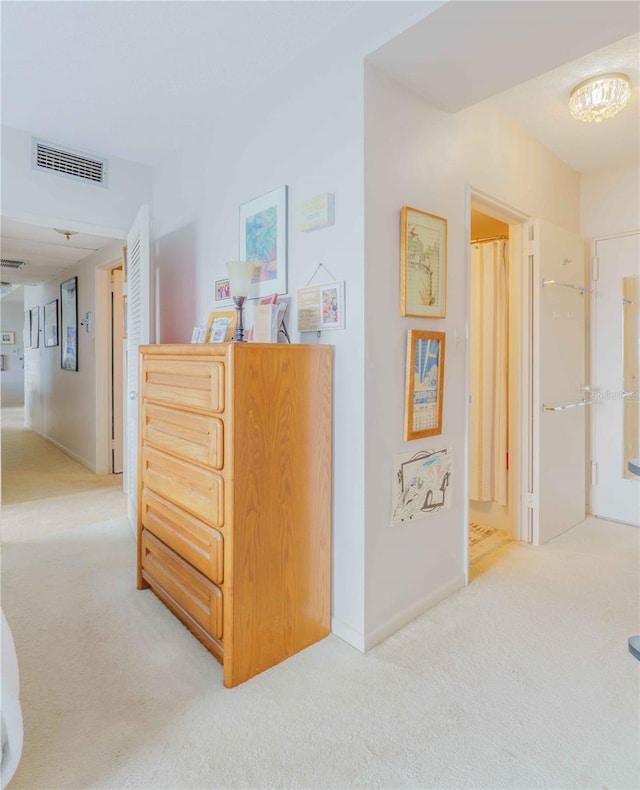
{"points": [[498, 289], [110, 371], [490, 346]]}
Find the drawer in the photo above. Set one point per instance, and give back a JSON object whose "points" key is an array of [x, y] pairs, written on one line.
{"points": [[199, 597], [198, 490], [198, 543], [195, 384], [194, 437]]}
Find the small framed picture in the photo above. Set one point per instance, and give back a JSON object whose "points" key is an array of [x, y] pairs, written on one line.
{"points": [[321, 307], [35, 327], [27, 329], [332, 305], [8, 338], [199, 334], [222, 290], [424, 384], [423, 264], [221, 326], [69, 324], [51, 324]]}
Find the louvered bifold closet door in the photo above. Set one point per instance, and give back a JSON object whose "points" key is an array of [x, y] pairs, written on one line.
{"points": [[137, 289]]}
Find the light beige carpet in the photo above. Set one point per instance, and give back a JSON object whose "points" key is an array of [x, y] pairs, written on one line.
{"points": [[521, 680], [45, 491]]}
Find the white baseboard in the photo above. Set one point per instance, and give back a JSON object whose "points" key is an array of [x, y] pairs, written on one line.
{"points": [[403, 618], [66, 451], [348, 634]]}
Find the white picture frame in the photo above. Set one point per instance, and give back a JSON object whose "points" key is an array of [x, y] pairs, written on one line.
{"points": [[263, 240]]}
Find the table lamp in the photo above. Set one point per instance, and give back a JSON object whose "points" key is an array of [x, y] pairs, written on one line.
{"points": [[240, 274]]}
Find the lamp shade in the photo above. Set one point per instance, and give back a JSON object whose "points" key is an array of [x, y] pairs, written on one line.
{"points": [[600, 97], [240, 274]]}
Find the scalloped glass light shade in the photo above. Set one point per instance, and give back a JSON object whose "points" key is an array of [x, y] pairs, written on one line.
{"points": [[599, 97]]}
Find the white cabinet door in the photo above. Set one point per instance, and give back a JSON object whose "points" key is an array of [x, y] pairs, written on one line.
{"points": [[559, 331], [615, 492], [138, 296]]}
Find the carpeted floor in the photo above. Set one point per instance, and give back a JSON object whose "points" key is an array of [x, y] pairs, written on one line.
{"points": [[521, 680], [45, 491]]}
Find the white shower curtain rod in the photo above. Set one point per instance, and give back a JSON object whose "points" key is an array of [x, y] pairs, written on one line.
{"points": [[490, 238]]}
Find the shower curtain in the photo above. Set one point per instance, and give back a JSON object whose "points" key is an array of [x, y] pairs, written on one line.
{"points": [[489, 363]]}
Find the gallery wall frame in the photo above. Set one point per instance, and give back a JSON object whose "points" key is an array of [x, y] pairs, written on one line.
{"points": [[26, 332], [8, 338], [69, 324], [424, 389], [222, 291], [263, 240], [35, 327], [421, 484], [423, 264], [321, 307], [51, 324]]}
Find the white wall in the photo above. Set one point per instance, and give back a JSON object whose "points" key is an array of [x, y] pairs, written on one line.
{"points": [[12, 377], [312, 141], [35, 195], [305, 130], [61, 404], [610, 202], [424, 158]]}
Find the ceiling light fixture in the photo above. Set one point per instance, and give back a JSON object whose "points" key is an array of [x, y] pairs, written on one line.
{"points": [[599, 97], [67, 233]]}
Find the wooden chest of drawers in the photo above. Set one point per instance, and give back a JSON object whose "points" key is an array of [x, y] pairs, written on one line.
{"points": [[234, 500]]}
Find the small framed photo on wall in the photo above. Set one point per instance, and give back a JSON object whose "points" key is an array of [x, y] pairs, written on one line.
{"points": [[69, 324], [222, 290], [423, 264], [51, 324], [35, 327], [424, 384]]}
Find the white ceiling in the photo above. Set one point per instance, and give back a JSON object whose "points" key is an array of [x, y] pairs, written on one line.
{"points": [[134, 79], [45, 252], [541, 107], [525, 57], [140, 79]]}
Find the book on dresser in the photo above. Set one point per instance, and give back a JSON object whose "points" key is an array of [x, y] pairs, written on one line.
{"points": [[234, 495]]}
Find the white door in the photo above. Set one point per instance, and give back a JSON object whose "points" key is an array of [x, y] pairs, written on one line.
{"points": [[137, 274], [117, 370], [559, 418], [615, 492]]}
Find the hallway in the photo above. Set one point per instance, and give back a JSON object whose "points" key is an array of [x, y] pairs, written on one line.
{"points": [[45, 491]]}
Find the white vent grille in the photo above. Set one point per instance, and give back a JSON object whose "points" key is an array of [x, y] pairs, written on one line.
{"points": [[81, 167], [8, 264]]}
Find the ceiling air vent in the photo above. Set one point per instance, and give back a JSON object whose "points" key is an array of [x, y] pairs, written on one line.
{"points": [[82, 167], [8, 264]]}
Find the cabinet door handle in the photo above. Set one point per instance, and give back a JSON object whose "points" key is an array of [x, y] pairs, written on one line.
{"points": [[133, 395]]}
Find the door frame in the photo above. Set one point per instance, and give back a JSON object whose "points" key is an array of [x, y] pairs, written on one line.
{"points": [[521, 379], [103, 365]]}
